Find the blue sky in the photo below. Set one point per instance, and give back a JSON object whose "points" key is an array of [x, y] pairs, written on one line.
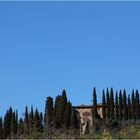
{"points": [[46, 47]]}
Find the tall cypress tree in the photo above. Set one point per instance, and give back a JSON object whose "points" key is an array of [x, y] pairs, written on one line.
{"points": [[133, 105], [94, 114], [49, 113], [137, 105], [111, 104], [56, 112], [31, 120], [26, 121], [117, 106], [64, 97], [67, 115], [62, 106], [41, 122], [129, 107], [120, 106], [20, 128], [13, 124], [11, 121], [73, 118], [125, 116], [103, 106], [94, 104], [1, 129], [16, 121], [8, 123], [37, 120], [108, 104]]}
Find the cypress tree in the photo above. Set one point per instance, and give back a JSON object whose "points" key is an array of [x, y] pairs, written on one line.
{"points": [[133, 105], [31, 120], [26, 121], [124, 106], [108, 104], [11, 119], [56, 112], [111, 104], [16, 121], [117, 106], [120, 106], [41, 122], [7, 123], [62, 106], [10, 112], [59, 109], [1, 129], [94, 104], [13, 125], [137, 105], [20, 128], [67, 115], [37, 120], [73, 118], [129, 107], [103, 106], [49, 113], [64, 97], [94, 115]]}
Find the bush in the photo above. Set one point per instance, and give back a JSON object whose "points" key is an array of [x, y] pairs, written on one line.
{"points": [[112, 124]]}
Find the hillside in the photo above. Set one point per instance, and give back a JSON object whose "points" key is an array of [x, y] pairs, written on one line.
{"points": [[125, 132]]}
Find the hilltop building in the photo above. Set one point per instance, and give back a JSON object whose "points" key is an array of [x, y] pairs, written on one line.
{"points": [[84, 114]]}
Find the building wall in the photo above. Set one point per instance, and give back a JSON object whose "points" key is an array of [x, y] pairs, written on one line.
{"points": [[86, 118], [99, 111]]}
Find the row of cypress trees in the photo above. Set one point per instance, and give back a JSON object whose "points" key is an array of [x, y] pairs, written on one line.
{"points": [[57, 115], [61, 115], [12, 127], [120, 107]]}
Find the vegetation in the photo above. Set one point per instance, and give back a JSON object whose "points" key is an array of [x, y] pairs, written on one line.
{"points": [[111, 104], [103, 106], [94, 107], [125, 132], [120, 118], [117, 106], [108, 104]]}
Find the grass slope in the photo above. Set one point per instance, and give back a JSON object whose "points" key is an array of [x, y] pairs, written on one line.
{"points": [[128, 132]]}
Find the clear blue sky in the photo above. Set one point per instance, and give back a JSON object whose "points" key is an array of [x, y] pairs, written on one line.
{"points": [[46, 47]]}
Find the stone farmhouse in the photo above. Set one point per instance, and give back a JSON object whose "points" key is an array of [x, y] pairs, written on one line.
{"points": [[84, 113]]}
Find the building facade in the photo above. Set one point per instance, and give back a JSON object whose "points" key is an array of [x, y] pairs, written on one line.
{"points": [[85, 117]]}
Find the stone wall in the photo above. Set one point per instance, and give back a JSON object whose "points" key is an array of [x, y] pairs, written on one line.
{"points": [[86, 119], [85, 114]]}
